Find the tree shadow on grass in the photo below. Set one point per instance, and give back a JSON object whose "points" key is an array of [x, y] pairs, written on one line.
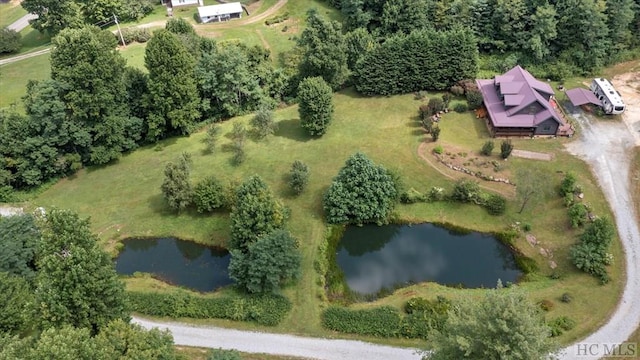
{"points": [[414, 121], [291, 129]]}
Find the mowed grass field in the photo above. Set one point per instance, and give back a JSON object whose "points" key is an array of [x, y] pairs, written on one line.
{"points": [[10, 11], [124, 199]]}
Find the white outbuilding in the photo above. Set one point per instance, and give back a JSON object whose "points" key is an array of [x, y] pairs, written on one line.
{"points": [[222, 12]]}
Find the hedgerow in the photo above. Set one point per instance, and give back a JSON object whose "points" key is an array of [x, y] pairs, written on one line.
{"points": [[263, 309]]}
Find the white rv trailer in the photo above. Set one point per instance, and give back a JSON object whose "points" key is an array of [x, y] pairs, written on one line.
{"points": [[611, 100]]}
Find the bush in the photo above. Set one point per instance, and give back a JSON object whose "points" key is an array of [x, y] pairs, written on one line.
{"points": [[568, 185], [265, 309], [435, 133], [505, 149], [465, 191], [298, 176], [435, 105], [9, 41], [382, 321], [438, 149], [561, 324], [578, 215], [277, 19], [460, 107], [495, 204], [423, 112], [412, 196], [435, 194], [526, 227], [526, 264], [566, 298], [143, 35], [208, 195], [474, 99], [457, 90], [487, 148], [220, 354], [446, 99]]}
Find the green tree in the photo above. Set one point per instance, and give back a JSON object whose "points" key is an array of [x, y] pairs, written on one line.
{"points": [[590, 254], [211, 138], [397, 18], [324, 52], [76, 282], [176, 187], [120, 340], [173, 95], [298, 176], [208, 195], [487, 148], [228, 82], [9, 41], [54, 15], [532, 186], [179, 25], [466, 191], [358, 42], [315, 105], [255, 213], [19, 237], [502, 325], [15, 293], [267, 263], [506, 147], [90, 72], [63, 343], [263, 123], [620, 14], [435, 133], [363, 192], [543, 31]]}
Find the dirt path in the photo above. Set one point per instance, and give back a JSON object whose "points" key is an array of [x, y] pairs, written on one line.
{"points": [[279, 344], [629, 87], [264, 42], [24, 56], [606, 147], [532, 155]]}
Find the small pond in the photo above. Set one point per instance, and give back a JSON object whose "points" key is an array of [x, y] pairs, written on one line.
{"points": [[177, 262], [386, 257]]}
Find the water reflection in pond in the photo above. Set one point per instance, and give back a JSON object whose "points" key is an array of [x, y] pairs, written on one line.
{"points": [[377, 257], [177, 262]]}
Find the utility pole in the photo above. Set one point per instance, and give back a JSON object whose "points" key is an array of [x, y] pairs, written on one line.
{"points": [[119, 31]]}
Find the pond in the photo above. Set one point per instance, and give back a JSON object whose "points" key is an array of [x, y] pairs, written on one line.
{"points": [[386, 257], [177, 262]]}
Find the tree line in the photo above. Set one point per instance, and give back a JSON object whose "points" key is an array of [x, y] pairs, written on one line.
{"points": [[536, 32]]}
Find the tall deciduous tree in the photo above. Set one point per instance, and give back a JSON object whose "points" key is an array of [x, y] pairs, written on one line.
{"points": [[502, 325], [76, 283], [255, 213], [620, 14], [90, 72], [543, 31], [324, 50], [267, 263], [315, 105], [363, 192], [173, 95], [403, 16], [15, 293], [19, 237], [358, 43], [54, 15]]}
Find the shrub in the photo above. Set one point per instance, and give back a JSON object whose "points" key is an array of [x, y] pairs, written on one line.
{"points": [[267, 309], [566, 298], [435, 194], [208, 195], [423, 112], [465, 191], [220, 354], [382, 321], [526, 227], [143, 35], [506, 148], [298, 176], [412, 196], [457, 90], [435, 105], [495, 204], [178, 25], [474, 99], [9, 41], [446, 99], [578, 214], [526, 264], [435, 133], [487, 148], [315, 105], [438, 149], [277, 19], [561, 324], [546, 305], [568, 185], [460, 107]]}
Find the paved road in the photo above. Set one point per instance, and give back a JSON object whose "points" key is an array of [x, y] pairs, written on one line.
{"points": [[279, 344], [22, 23]]}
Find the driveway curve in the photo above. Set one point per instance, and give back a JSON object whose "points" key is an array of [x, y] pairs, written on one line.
{"points": [[279, 344], [606, 146]]}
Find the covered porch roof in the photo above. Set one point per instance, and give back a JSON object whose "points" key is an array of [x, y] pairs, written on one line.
{"points": [[580, 96]]}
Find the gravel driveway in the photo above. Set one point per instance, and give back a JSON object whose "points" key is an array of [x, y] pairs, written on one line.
{"points": [[606, 146]]}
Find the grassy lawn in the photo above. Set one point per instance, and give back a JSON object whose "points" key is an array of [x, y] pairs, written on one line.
{"points": [[124, 200], [10, 12], [193, 353], [15, 76]]}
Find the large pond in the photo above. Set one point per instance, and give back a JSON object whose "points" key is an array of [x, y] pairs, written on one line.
{"points": [[177, 262], [385, 257]]}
